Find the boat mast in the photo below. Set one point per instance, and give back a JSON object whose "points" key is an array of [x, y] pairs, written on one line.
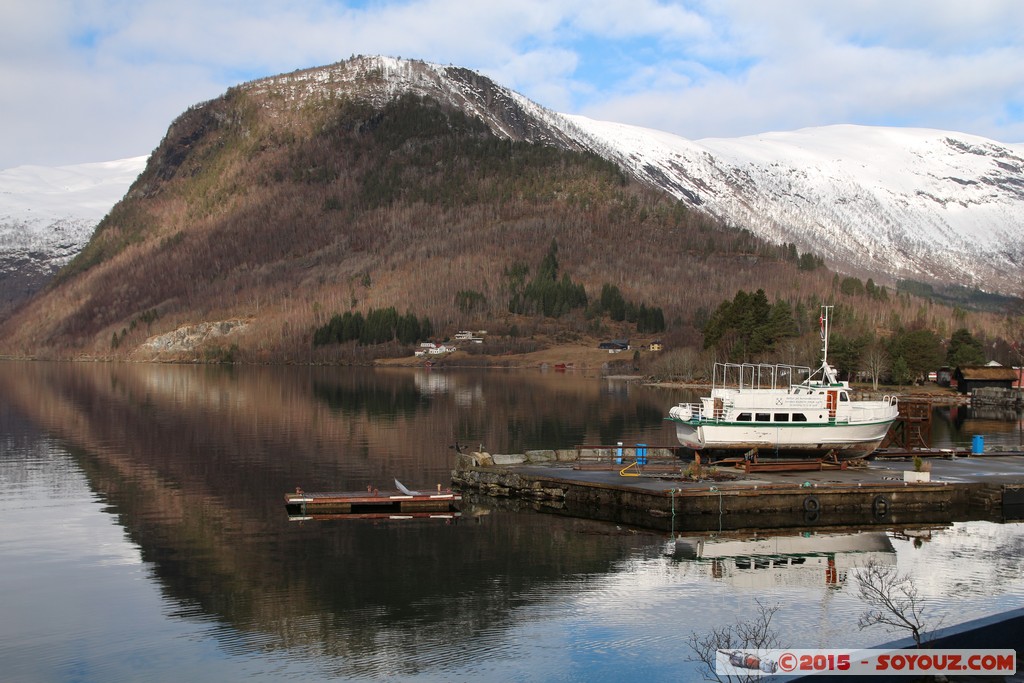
{"points": [[827, 371]]}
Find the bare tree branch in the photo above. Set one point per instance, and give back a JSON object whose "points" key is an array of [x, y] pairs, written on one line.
{"points": [[893, 600], [755, 634]]}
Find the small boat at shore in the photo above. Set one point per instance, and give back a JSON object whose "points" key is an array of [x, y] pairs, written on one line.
{"points": [[784, 410]]}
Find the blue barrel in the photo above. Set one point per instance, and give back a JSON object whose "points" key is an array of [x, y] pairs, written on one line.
{"points": [[618, 454], [641, 454], [978, 444]]}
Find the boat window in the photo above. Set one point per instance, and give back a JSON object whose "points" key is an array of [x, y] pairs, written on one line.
{"points": [[782, 417], [743, 417], [763, 417], [843, 396], [799, 417]]}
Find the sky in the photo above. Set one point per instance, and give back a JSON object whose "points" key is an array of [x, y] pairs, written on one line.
{"points": [[96, 80]]}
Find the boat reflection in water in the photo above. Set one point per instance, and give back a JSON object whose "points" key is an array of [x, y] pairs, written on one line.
{"points": [[807, 559]]}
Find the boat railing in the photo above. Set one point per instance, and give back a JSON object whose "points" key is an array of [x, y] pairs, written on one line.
{"points": [[688, 411], [758, 376], [708, 410], [869, 411]]}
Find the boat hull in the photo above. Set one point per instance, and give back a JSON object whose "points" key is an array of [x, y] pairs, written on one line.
{"points": [[848, 442]]}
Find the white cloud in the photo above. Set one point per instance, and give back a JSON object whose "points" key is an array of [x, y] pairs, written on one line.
{"points": [[805, 64], [86, 80]]}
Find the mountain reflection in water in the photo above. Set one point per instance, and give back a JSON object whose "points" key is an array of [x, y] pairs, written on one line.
{"points": [[191, 464]]}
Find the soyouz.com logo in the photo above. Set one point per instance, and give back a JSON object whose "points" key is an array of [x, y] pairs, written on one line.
{"points": [[865, 662]]}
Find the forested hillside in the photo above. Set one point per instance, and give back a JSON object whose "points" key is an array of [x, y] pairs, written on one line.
{"points": [[270, 214]]}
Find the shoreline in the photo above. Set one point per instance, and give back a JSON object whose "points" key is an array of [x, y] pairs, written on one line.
{"points": [[579, 360], [589, 361]]}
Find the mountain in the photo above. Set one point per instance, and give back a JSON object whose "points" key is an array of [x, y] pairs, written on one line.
{"points": [[889, 202], [931, 205], [48, 214], [380, 182]]}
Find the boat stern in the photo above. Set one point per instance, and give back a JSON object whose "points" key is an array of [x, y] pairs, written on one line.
{"points": [[688, 431]]}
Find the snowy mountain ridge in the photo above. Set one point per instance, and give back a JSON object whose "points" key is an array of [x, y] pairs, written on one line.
{"points": [[891, 203], [887, 203], [924, 204]]}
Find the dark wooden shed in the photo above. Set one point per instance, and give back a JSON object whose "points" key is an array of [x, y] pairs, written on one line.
{"points": [[970, 377]]}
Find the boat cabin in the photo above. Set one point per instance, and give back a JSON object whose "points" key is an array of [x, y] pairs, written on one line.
{"points": [[774, 394]]}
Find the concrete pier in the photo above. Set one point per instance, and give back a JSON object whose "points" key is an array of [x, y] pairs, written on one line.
{"points": [[672, 494]]}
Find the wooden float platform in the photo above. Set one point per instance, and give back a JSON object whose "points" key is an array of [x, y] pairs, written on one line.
{"points": [[298, 516], [376, 503]]}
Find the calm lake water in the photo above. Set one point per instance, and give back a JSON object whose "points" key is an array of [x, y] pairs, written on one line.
{"points": [[144, 535]]}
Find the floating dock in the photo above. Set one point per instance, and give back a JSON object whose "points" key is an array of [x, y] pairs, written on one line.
{"points": [[372, 505], [668, 493]]}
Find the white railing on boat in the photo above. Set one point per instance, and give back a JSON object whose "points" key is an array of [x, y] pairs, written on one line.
{"points": [[758, 376], [687, 411], [875, 410]]}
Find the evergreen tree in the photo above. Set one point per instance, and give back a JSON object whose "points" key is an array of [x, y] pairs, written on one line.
{"points": [[919, 350], [847, 353], [426, 329], [408, 331], [964, 349], [748, 325], [781, 322], [352, 326], [549, 266], [900, 372], [516, 276], [546, 293], [852, 286], [613, 303]]}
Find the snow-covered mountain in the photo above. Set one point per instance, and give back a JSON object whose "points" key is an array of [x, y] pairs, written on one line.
{"points": [[924, 204], [47, 214], [887, 203], [937, 206]]}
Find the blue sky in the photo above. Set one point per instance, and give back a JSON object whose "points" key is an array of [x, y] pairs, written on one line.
{"points": [[94, 80]]}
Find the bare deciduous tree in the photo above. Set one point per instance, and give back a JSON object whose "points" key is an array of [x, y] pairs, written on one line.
{"points": [[755, 634], [875, 362], [893, 600]]}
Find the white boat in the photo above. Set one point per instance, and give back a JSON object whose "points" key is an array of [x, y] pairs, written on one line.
{"points": [[784, 410]]}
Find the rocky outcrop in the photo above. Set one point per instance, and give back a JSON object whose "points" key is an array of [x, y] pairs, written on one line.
{"points": [[190, 340]]}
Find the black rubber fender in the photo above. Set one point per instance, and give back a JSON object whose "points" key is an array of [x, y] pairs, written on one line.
{"points": [[812, 504], [811, 516], [880, 507]]}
